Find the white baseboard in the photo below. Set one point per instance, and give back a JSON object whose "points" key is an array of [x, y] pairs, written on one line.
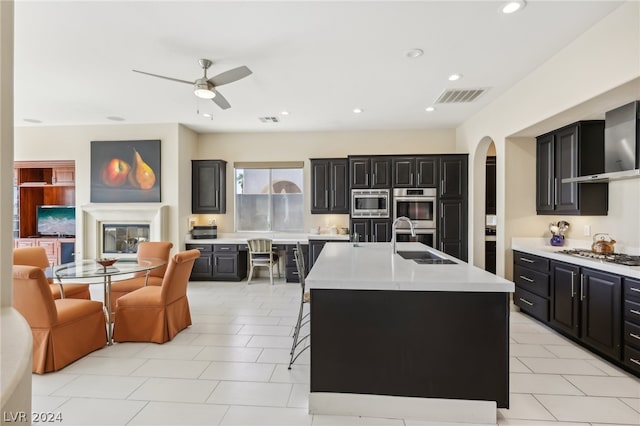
{"points": [[427, 409]]}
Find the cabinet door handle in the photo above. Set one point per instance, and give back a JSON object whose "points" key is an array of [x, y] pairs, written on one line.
{"points": [[635, 336], [326, 196], [635, 361], [366, 180], [441, 187], [555, 191], [633, 311], [524, 259], [582, 295], [411, 179], [637, 290], [526, 301], [224, 248], [527, 279], [573, 277], [418, 181], [373, 179]]}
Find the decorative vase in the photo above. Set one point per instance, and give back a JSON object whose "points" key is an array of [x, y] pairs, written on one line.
{"points": [[557, 240]]}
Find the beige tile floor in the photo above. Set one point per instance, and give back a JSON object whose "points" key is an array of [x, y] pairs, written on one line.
{"points": [[230, 368]]}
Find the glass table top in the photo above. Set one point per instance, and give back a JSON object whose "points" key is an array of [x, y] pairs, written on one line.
{"points": [[92, 269]]}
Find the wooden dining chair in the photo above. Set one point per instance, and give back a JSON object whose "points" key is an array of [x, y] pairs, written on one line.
{"points": [[37, 256], [64, 330], [261, 254]]}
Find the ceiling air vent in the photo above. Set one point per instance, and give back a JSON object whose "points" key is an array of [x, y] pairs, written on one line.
{"points": [[269, 119], [458, 96]]}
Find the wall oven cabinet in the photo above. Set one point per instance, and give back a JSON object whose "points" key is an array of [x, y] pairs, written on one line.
{"points": [[417, 204]]}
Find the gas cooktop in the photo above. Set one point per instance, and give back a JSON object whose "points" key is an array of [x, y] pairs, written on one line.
{"points": [[619, 258]]}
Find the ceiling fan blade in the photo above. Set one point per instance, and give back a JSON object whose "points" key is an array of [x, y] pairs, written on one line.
{"points": [[230, 76], [221, 101], [166, 78]]}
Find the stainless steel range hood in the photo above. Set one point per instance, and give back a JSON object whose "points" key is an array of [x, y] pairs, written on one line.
{"points": [[621, 146]]}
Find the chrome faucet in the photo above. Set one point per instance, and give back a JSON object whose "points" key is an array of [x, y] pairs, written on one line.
{"points": [[393, 230]]}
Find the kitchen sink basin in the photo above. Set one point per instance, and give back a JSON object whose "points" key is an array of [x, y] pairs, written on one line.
{"points": [[424, 257], [411, 255], [434, 261]]}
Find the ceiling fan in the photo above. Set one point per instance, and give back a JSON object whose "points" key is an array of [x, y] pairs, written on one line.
{"points": [[208, 88]]}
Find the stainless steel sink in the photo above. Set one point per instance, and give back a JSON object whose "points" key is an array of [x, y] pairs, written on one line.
{"points": [[434, 261], [424, 258]]}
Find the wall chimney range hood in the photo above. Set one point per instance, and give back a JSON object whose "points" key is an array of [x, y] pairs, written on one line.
{"points": [[621, 146]]}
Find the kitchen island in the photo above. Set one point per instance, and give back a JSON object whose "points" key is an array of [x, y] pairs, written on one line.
{"points": [[392, 337]]}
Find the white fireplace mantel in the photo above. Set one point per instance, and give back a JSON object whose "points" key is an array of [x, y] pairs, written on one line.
{"points": [[95, 215]]}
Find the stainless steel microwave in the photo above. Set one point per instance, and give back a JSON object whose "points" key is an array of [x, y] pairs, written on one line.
{"points": [[370, 203]]}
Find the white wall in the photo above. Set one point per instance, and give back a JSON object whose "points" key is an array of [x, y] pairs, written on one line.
{"points": [[578, 79], [301, 146]]}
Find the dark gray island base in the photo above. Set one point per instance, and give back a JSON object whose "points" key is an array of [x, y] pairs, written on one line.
{"points": [[425, 344]]}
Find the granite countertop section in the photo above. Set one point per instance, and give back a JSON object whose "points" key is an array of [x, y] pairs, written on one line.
{"points": [[373, 266], [277, 237], [542, 247]]}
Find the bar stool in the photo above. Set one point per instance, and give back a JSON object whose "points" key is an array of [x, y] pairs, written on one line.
{"points": [[303, 319]]}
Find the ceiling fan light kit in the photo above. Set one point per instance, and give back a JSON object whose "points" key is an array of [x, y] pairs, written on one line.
{"points": [[206, 88], [203, 90]]}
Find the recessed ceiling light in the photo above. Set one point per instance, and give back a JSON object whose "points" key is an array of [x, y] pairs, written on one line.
{"points": [[32, 120], [284, 113], [455, 77], [414, 53], [357, 110], [513, 6], [430, 109], [115, 118], [207, 114]]}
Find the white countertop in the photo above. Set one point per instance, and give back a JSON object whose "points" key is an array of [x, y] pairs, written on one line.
{"points": [[277, 237], [542, 247], [372, 266]]}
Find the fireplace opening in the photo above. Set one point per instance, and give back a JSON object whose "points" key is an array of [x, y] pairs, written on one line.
{"points": [[123, 238]]}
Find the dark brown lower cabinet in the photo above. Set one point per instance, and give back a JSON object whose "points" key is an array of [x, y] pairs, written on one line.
{"points": [[372, 230], [565, 302], [587, 304], [219, 262], [601, 303], [592, 307]]}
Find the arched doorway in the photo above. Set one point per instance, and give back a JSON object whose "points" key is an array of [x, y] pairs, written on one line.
{"points": [[483, 210]]}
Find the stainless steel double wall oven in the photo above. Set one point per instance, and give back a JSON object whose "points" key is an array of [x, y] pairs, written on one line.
{"points": [[419, 205]]}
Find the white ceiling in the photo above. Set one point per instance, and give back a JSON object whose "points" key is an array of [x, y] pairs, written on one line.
{"points": [[318, 60]]}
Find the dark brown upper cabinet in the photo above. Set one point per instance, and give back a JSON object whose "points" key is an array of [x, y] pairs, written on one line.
{"points": [[572, 151], [208, 186]]}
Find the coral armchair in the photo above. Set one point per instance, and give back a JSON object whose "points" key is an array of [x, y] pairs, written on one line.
{"points": [[146, 250], [37, 256], [157, 313], [64, 330]]}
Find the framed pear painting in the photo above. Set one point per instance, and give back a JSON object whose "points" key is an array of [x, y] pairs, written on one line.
{"points": [[125, 171]]}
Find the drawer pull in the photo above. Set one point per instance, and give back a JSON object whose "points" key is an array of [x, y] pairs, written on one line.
{"points": [[527, 279], [526, 301], [635, 336], [635, 361], [637, 290], [633, 311], [524, 259], [224, 248]]}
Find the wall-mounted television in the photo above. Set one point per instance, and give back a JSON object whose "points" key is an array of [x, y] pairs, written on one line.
{"points": [[56, 220]]}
